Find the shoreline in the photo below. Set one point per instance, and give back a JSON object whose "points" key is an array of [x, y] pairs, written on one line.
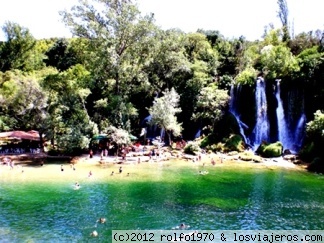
{"points": [[134, 158]]}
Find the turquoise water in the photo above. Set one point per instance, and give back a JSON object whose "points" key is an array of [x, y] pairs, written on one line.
{"points": [[40, 204]]}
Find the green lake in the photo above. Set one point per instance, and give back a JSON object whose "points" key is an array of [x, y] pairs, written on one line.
{"points": [[41, 205]]}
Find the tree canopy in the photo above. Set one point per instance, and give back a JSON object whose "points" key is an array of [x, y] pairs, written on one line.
{"points": [[121, 67]]}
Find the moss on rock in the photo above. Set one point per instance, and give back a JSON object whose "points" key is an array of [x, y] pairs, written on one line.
{"points": [[270, 150], [234, 143]]}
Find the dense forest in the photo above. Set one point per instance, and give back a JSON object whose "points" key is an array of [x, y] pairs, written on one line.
{"points": [[120, 68]]}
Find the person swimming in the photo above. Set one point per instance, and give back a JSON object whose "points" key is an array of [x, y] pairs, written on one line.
{"points": [[101, 220], [76, 186], [94, 233], [183, 226], [204, 172]]}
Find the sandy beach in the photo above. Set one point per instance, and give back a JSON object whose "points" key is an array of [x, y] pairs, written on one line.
{"points": [[85, 169]]}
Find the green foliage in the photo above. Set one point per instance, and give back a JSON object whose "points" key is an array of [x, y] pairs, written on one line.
{"points": [[225, 82], [60, 55], [69, 124], [119, 136], [273, 38], [310, 61], [315, 128], [119, 39], [192, 147], [305, 41], [270, 150], [234, 143], [119, 60], [163, 113], [314, 138], [207, 140], [18, 51], [22, 100], [247, 77], [211, 104], [278, 61]]}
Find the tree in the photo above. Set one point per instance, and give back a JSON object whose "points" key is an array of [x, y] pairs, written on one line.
{"points": [[23, 103], [283, 15], [163, 113], [211, 104], [61, 55], [119, 136], [278, 61], [314, 137], [119, 38], [70, 126], [17, 52]]}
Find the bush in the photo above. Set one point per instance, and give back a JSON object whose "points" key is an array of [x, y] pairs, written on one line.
{"points": [[270, 150], [192, 148], [234, 143]]}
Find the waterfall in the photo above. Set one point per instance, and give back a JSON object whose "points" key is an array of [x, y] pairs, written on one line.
{"points": [[283, 131], [300, 132], [261, 130], [233, 110]]}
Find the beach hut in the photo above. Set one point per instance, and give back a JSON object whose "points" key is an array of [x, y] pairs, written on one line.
{"points": [[19, 141]]}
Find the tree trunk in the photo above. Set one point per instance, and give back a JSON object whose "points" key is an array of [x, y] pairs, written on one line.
{"points": [[117, 84], [169, 137], [41, 142]]}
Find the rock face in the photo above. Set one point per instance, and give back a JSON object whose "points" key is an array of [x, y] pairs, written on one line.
{"points": [[270, 150]]}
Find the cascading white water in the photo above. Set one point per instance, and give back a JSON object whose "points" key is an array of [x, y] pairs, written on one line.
{"points": [[300, 132], [261, 130], [233, 110], [283, 132]]}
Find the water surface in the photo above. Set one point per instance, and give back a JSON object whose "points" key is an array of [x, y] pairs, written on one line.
{"points": [[41, 205]]}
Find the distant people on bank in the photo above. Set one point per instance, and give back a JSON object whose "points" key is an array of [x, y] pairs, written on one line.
{"points": [[90, 173], [120, 170], [112, 173], [91, 154], [213, 161], [62, 169]]}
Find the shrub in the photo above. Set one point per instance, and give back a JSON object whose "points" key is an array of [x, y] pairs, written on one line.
{"points": [[270, 150], [192, 148], [234, 143]]}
